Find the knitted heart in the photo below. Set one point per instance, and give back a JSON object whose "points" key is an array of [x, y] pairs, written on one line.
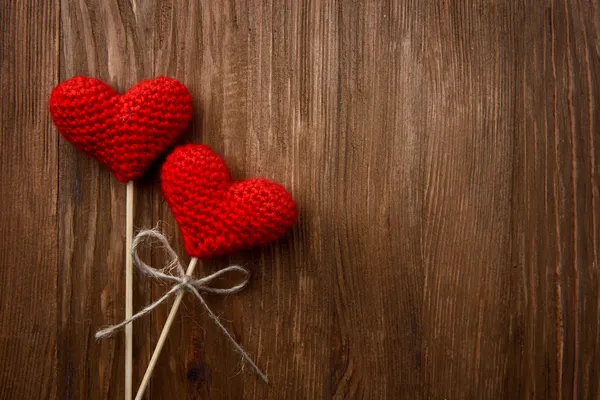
{"points": [[216, 215], [125, 132]]}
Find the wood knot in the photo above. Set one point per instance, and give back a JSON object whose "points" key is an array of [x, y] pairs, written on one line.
{"points": [[198, 373]]}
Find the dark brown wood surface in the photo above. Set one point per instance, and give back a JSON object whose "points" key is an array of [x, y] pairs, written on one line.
{"points": [[445, 156]]}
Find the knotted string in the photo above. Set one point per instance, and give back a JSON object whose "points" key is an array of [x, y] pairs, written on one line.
{"points": [[173, 272]]}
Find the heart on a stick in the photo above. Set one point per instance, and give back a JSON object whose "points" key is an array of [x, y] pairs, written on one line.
{"points": [[216, 215], [124, 132]]}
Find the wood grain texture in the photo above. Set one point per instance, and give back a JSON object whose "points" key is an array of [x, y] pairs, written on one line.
{"points": [[445, 160], [109, 41], [556, 201], [28, 206]]}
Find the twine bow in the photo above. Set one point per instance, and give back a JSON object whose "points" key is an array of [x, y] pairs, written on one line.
{"points": [[173, 272]]}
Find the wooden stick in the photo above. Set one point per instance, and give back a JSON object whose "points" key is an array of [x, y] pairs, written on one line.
{"points": [[128, 292], [164, 333]]}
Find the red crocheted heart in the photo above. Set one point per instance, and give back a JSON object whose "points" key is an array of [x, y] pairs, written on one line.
{"points": [[216, 215], [124, 132]]}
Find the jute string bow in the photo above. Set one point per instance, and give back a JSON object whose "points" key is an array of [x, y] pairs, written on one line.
{"points": [[173, 272]]}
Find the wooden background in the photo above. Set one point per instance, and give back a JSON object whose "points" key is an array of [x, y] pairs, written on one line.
{"points": [[445, 158]]}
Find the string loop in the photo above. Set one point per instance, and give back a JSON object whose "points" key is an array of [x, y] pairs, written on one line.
{"points": [[174, 273]]}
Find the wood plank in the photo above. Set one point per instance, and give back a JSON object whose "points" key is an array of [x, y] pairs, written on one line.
{"points": [[471, 319], [248, 109], [110, 41], [557, 202], [28, 183], [376, 208]]}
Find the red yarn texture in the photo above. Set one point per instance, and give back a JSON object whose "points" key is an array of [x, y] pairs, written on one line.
{"points": [[216, 215], [125, 132]]}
